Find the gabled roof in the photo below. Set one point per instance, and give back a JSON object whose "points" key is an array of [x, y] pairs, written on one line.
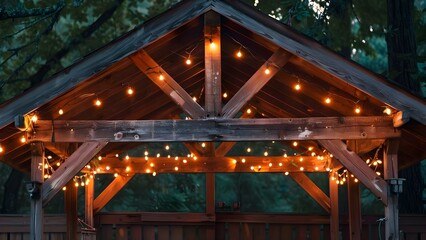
{"points": [[168, 37]]}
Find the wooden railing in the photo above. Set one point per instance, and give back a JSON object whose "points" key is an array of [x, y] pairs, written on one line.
{"points": [[226, 226]]}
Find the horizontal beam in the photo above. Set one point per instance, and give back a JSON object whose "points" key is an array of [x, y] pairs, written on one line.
{"points": [[259, 129], [213, 164]]}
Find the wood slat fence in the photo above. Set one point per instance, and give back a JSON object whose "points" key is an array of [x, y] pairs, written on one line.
{"points": [[197, 226]]}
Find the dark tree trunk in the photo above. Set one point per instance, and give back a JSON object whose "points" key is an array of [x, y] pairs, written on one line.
{"points": [[340, 25], [411, 199], [11, 192], [403, 70], [402, 46]]}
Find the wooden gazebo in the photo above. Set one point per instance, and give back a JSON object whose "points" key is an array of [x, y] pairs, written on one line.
{"points": [[210, 74]]}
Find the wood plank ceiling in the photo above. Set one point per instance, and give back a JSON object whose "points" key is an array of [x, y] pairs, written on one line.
{"points": [[278, 98]]}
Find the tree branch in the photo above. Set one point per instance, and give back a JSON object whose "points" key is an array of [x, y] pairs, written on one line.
{"points": [[20, 11], [41, 73]]}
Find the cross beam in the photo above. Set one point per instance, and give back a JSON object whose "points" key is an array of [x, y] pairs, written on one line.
{"points": [[259, 129]]}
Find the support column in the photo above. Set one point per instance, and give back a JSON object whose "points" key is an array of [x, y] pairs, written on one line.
{"points": [[334, 206], [390, 159], [88, 200], [210, 203], [34, 189], [355, 226], [71, 210]]}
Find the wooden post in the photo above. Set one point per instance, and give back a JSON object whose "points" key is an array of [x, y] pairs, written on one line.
{"points": [[88, 202], [37, 166], [390, 159], [334, 214], [71, 210], [355, 227], [210, 203]]}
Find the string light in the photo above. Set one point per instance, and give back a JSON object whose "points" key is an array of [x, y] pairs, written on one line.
{"points": [[248, 111], [286, 173], [239, 54], [34, 118], [267, 71], [64, 188], [295, 144], [225, 95], [388, 111], [243, 160], [265, 153], [154, 174], [98, 102], [357, 110], [194, 98], [130, 91], [188, 61], [1, 149], [115, 174], [176, 168], [23, 139], [212, 44], [203, 144], [327, 100], [297, 87], [248, 149], [161, 76], [146, 153], [61, 112], [167, 147]]}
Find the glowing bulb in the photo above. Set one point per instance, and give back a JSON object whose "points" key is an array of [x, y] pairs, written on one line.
{"points": [[158, 155], [108, 168], [176, 169], [270, 165], [297, 87], [251, 167], [295, 144], [127, 169], [234, 161], [301, 159], [161, 77], [280, 164], [194, 98], [98, 102], [146, 153], [203, 145], [115, 174], [265, 153], [82, 184], [302, 168], [23, 139], [167, 147], [147, 170], [243, 160], [327, 100], [378, 173], [212, 44], [225, 95], [248, 110], [1, 149], [239, 54], [127, 157], [310, 148], [58, 164], [154, 174], [388, 111], [99, 158], [151, 164], [357, 110], [61, 111], [184, 161], [316, 168], [76, 184], [285, 155], [188, 61], [34, 118], [356, 180], [286, 173], [267, 71], [248, 149], [130, 91], [64, 188]]}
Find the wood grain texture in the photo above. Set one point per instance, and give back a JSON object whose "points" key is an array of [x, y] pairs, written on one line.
{"points": [[261, 129], [255, 83], [312, 189], [37, 175], [69, 169], [88, 202], [110, 191], [212, 62], [390, 165], [334, 207], [70, 208], [358, 167], [321, 57], [168, 85], [354, 208]]}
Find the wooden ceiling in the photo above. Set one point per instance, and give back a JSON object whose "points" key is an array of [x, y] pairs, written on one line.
{"points": [[277, 99]]}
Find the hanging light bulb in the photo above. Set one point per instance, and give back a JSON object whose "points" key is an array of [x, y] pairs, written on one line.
{"points": [[239, 53], [243, 160], [194, 98], [203, 145], [154, 174], [265, 153], [98, 102], [61, 112], [327, 100], [212, 44], [161, 76], [267, 71], [23, 139], [188, 61], [34, 118], [167, 147], [248, 111], [115, 174], [295, 144], [357, 110], [297, 87], [388, 111], [248, 149], [1, 149], [130, 91], [225, 95]]}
